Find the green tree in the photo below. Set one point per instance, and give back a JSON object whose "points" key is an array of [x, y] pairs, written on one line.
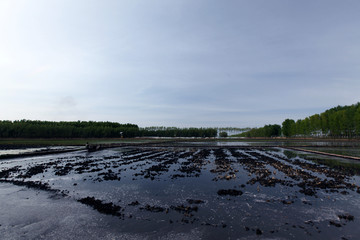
{"points": [[223, 134], [288, 127]]}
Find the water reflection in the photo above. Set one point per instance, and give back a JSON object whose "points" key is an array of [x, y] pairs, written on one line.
{"points": [[33, 150], [208, 192]]}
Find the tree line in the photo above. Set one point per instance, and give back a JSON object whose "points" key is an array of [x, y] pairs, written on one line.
{"points": [[266, 131], [340, 122], [178, 132], [92, 129], [78, 129]]}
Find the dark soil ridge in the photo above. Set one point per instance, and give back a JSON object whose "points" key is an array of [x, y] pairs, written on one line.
{"points": [[100, 206], [35, 185], [230, 192]]}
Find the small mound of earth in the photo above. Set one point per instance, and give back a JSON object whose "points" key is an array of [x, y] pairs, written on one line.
{"points": [[231, 192], [106, 208]]}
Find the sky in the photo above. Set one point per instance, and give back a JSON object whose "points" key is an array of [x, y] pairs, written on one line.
{"points": [[183, 63]]}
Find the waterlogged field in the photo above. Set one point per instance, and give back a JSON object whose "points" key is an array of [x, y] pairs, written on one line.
{"points": [[18, 151], [183, 192]]}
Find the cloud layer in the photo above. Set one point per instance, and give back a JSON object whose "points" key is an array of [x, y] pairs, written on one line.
{"points": [[177, 63]]}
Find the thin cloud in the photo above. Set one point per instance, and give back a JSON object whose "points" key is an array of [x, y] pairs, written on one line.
{"points": [[178, 63]]}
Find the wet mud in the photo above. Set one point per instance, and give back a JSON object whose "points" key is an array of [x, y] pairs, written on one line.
{"points": [[249, 191], [106, 208]]}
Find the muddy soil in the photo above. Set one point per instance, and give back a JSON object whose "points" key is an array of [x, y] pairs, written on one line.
{"points": [[221, 192]]}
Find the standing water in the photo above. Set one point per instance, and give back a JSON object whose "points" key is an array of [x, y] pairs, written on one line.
{"points": [[180, 193]]}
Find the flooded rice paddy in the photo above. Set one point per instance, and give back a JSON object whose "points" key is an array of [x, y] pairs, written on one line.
{"points": [[182, 192], [19, 151]]}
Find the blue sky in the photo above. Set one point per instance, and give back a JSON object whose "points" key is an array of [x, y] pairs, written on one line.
{"points": [[178, 63]]}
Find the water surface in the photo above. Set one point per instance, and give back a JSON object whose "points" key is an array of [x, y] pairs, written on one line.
{"points": [[182, 193]]}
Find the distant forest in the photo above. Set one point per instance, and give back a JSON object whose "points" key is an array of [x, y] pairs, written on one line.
{"points": [[266, 131], [83, 129], [177, 132], [340, 121]]}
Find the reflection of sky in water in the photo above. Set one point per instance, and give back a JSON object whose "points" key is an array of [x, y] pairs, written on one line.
{"points": [[216, 143], [219, 216], [276, 143], [31, 150], [348, 151], [20, 151]]}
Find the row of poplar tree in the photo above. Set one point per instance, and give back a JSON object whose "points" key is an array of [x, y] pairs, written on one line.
{"points": [[340, 121], [91, 129]]}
